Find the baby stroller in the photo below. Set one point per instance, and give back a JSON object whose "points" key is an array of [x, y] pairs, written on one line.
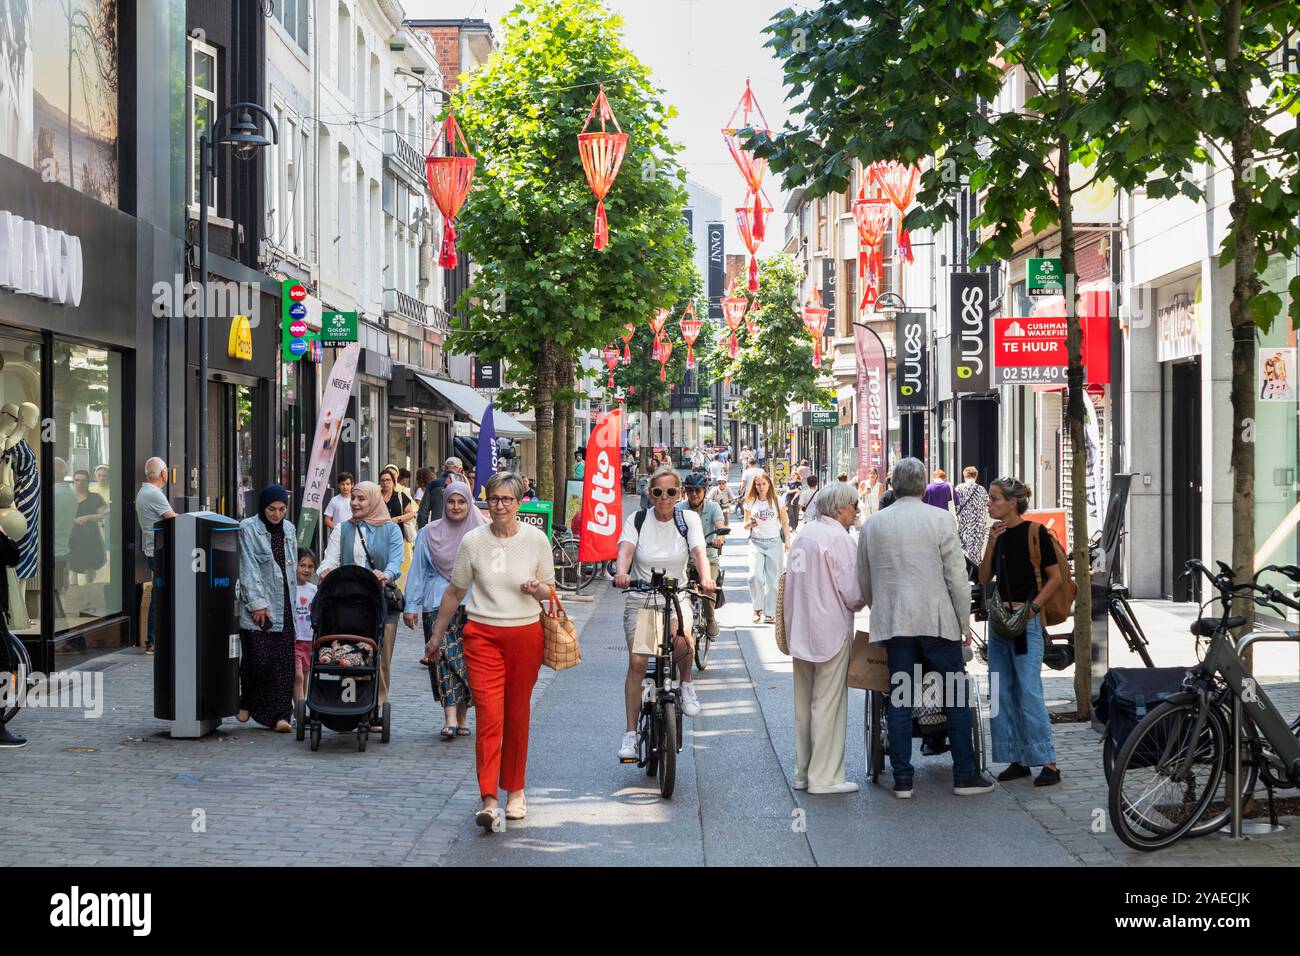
{"points": [[347, 617]]}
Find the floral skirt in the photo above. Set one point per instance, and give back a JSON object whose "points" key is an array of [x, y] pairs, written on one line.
{"points": [[448, 676]]}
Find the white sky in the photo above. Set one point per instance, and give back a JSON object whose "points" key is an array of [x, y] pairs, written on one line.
{"points": [[700, 52]]}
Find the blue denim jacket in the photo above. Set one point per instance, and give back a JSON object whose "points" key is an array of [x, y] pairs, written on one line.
{"points": [[384, 545], [425, 585], [260, 587]]}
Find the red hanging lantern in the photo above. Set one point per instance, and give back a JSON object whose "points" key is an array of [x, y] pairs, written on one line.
{"points": [[611, 359], [872, 217], [814, 320], [629, 331], [734, 310], [602, 155], [658, 321], [899, 183], [690, 327], [745, 217], [752, 168], [663, 351], [449, 178]]}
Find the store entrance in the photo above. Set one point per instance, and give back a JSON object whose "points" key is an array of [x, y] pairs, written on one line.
{"points": [[232, 487], [1185, 477], [978, 438]]}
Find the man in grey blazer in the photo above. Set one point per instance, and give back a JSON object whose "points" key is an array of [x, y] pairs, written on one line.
{"points": [[913, 577]]}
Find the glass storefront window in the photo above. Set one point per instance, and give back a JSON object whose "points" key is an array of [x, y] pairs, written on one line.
{"points": [[20, 393], [88, 484]]}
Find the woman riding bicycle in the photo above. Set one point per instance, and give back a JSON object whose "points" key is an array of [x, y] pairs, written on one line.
{"points": [[666, 541]]}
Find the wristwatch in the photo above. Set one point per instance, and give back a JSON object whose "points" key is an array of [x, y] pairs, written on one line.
{"points": [[1033, 607]]}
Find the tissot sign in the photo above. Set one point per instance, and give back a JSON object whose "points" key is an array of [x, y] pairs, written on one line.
{"points": [[971, 356]]}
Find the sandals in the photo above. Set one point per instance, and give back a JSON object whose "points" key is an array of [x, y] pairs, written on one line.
{"points": [[463, 732], [758, 616], [448, 731]]}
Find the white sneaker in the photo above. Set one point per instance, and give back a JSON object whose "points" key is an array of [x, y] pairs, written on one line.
{"points": [[628, 750], [848, 786], [690, 701]]}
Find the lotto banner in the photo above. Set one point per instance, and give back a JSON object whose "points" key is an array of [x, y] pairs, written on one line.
{"points": [[602, 493], [333, 406]]}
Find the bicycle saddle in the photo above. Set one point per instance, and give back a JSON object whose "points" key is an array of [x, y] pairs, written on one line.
{"points": [[1206, 626], [1119, 591]]}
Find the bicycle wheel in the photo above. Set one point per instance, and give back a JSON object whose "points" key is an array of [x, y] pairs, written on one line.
{"points": [[15, 669], [646, 732], [1149, 808], [1218, 811], [668, 750], [700, 634], [566, 571]]}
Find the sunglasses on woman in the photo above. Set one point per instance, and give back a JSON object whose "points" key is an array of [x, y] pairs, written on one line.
{"points": [[660, 492]]}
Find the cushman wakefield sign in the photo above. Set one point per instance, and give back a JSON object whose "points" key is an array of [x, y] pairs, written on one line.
{"points": [[972, 353]]}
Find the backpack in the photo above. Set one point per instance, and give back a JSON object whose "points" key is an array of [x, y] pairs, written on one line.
{"points": [[1061, 604]]}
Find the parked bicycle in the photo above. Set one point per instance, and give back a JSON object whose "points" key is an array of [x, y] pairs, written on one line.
{"points": [[1172, 777], [699, 625], [15, 675], [570, 573], [659, 725]]}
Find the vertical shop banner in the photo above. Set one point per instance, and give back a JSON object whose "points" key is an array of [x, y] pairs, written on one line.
{"points": [[828, 294], [602, 493], [329, 429], [871, 401], [485, 462], [913, 360], [971, 341], [717, 269], [1095, 479]]}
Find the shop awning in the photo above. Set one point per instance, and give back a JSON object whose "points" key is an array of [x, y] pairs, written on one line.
{"points": [[472, 405]]}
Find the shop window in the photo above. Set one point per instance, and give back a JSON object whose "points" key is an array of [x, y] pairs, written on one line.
{"points": [[203, 111], [20, 479], [88, 497]]}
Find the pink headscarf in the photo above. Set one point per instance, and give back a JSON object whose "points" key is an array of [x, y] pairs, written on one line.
{"points": [[376, 512], [444, 534]]}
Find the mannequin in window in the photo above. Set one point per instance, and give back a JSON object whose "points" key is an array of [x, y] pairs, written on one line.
{"points": [[23, 478], [12, 528]]}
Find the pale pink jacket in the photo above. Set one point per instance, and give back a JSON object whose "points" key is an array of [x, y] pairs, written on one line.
{"points": [[821, 590]]}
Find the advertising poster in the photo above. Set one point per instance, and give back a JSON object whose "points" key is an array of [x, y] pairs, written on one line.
{"points": [[1276, 374], [329, 426]]}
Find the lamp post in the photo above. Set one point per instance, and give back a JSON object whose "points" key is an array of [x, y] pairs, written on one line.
{"points": [[245, 140]]}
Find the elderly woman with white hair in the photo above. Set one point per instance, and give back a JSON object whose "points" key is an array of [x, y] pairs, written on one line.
{"points": [[821, 596]]}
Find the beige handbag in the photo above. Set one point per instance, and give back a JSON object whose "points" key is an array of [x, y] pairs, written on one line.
{"points": [[649, 630], [559, 637], [868, 664], [782, 641]]}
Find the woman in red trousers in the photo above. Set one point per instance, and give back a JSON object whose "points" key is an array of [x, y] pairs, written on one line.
{"points": [[506, 569]]}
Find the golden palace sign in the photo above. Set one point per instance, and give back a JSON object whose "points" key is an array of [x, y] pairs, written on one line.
{"points": [[241, 339]]}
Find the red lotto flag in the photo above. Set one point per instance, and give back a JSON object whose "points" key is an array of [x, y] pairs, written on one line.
{"points": [[602, 493]]}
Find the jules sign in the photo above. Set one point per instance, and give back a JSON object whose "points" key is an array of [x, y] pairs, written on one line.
{"points": [[913, 360], [971, 342]]}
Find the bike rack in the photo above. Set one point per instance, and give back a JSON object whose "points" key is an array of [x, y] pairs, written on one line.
{"points": [[1236, 824]]}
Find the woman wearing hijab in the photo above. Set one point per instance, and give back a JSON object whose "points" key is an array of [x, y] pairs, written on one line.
{"points": [[268, 554], [372, 540], [431, 567]]}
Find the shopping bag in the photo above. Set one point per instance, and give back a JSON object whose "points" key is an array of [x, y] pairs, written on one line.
{"points": [[560, 638], [868, 664]]}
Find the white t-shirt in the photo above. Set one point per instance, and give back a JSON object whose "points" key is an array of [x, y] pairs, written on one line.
{"points": [[715, 469], [302, 611], [767, 523], [339, 508], [659, 545], [747, 479]]}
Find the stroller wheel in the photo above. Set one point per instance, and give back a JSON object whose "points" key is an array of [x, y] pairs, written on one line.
{"points": [[363, 734], [300, 718], [315, 736], [386, 719]]}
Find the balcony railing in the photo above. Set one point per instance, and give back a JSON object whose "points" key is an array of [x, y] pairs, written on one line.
{"points": [[403, 159], [397, 302], [439, 319]]}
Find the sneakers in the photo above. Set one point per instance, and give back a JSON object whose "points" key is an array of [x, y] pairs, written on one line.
{"points": [[848, 786], [627, 752], [1013, 772], [903, 789], [1047, 777], [973, 787], [800, 783], [690, 701], [9, 739]]}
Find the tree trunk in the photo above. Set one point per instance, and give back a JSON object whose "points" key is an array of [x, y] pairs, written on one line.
{"points": [[1075, 421], [563, 408], [544, 420]]}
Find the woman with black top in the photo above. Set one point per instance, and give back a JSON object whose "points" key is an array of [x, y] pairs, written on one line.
{"points": [[1022, 731]]}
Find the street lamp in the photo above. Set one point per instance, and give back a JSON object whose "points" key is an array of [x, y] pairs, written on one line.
{"points": [[245, 140]]}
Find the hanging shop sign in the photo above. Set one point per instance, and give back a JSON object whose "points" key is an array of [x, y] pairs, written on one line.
{"points": [[485, 374], [824, 418], [912, 360], [828, 293], [972, 357], [39, 261], [338, 329], [295, 334], [1179, 327], [717, 232], [1276, 375], [1031, 351], [871, 398], [1044, 277], [240, 345]]}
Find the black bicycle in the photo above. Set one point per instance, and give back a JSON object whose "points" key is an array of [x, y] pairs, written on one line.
{"points": [[659, 725], [1174, 775], [15, 675], [699, 627]]}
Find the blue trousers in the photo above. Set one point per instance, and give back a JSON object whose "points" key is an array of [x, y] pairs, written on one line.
{"points": [[1021, 729], [766, 557], [944, 657]]}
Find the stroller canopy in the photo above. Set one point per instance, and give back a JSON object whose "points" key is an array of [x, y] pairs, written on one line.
{"points": [[349, 601]]}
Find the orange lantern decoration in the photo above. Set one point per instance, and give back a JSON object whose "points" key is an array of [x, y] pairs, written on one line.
{"points": [[449, 178], [659, 320], [734, 308], [690, 327], [752, 167], [872, 218], [663, 351], [630, 330], [814, 320], [611, 359], [746, 215], [899, 183], [602, 155]]}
